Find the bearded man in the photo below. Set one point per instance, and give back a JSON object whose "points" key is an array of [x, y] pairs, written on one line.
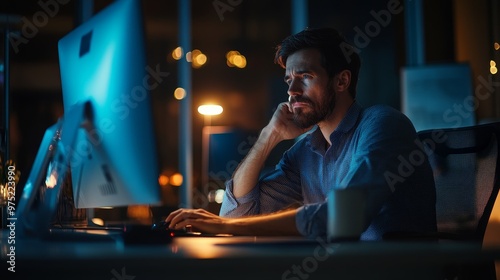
{"points": [[346, 147]]}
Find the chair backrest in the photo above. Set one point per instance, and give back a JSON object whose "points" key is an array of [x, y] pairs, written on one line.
{"points": [[465, 163]]}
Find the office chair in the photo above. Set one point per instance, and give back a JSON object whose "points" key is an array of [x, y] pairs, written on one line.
{"points": [[465, 163]]}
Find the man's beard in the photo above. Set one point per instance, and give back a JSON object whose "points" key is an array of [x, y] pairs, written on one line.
{"points": [[320, 110]]}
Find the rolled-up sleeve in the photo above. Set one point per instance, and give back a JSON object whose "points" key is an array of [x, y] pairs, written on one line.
{"points": [[237, 207], [275, 191]]}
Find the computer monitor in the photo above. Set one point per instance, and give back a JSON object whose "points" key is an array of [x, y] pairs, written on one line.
{"points": [[103, 61], [106, 137]]}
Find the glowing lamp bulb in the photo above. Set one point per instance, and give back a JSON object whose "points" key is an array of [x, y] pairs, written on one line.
{"points": [[210, 110]]}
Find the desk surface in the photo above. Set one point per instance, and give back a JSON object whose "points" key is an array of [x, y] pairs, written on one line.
{"points": [[241, 258]]}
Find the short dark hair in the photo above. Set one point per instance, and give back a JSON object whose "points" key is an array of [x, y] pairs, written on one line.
{"points": [[336, 53]]}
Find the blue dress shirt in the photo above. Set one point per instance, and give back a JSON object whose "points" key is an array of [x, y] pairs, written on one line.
{"points": [[375, 149]]}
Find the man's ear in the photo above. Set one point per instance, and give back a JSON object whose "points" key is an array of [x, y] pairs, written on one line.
{"points": [[343, 80]]}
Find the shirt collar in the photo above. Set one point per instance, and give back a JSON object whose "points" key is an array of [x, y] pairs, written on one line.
{"points": [[316, 139], [350, 119]]}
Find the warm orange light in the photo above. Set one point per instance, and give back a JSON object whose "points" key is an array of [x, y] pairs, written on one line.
{"points": [[179, 93], [210, 110], [493, 70], [163, 180], [199, 60], [231, 54], [240, 61], [203, 248], [177, 53], [3, 193], [138, 212], [493, 67], [234, 58], [98, 221], [176, 180]]}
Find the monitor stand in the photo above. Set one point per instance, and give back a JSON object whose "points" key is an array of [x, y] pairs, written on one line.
{"points": [[34, 216], [38, 204]]}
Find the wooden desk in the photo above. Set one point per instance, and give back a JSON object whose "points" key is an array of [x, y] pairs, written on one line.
{"points": [[241, 258]]}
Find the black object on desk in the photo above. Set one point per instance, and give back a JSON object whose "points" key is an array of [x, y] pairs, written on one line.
{"points": [[163, 227], [158, 233], [145, 234], [137, 234], [82, 235]]}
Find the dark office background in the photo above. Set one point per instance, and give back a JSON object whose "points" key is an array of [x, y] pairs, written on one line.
{"points": [[455, 31]]}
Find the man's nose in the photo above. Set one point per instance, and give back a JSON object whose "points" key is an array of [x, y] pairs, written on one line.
{"points": [[294, 88]]}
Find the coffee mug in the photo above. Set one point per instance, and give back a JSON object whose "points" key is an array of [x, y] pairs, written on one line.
{"points": [[346, 214]]}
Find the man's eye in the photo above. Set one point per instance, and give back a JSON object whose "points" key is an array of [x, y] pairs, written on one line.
{"points": [[306, 76]]}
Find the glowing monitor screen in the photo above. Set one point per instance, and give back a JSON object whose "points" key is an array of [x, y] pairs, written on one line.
{"points": [[103, 62]]}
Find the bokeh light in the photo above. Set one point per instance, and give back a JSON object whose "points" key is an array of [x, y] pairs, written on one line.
{"points": [[177, 53], [235, 59], [179, 93], [176, 180]]}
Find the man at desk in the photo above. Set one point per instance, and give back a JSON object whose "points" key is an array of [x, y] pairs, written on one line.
{"points": [[348, 146]]}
